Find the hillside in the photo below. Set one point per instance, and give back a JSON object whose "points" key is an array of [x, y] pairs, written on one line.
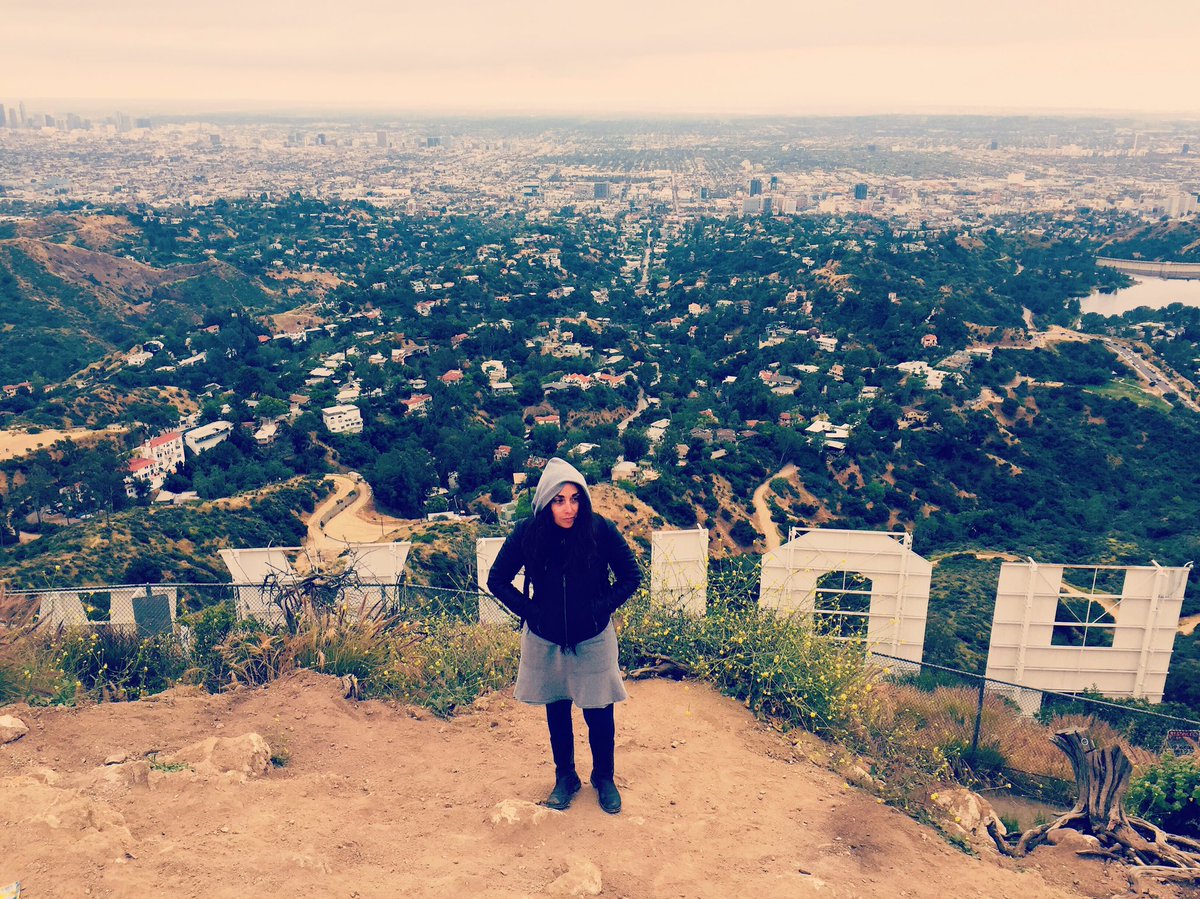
{"points": [[65, 306], [1175, 241], [181, 541], [379, 800]]}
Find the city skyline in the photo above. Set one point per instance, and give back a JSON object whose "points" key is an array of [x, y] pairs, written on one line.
{"points": [[534, 57]]}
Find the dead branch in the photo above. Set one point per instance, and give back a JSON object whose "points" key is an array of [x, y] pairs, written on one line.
{"points": [[663, 666], [1101, 779]]}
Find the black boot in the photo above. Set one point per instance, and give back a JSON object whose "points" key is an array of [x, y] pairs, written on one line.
{"points": [[562, 747], [602, 738], [565, 788], [607, 793]]}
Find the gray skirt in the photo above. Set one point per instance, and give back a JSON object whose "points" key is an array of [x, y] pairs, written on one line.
{"points": [[589, 677]]}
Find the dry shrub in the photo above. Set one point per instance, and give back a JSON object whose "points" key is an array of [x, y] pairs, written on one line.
{"points": [[945, 719]]}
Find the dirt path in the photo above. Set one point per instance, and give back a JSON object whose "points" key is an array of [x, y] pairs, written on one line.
{"points": [[762, 512], [347, 515], [378, 801], [978, 554], [1187, 626]]}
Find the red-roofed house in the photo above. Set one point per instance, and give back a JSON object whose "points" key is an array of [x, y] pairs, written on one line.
{"points": [[581, 381], [453, 376], [165, 451], [142, 469], [611, 380], [418, 402]]}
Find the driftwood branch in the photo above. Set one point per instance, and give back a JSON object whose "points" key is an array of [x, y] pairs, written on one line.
{"points": [[663, 666], [1101, 779]]}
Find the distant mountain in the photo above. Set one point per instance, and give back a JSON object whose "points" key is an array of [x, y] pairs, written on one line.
{"points": [[1177, 241], [63, 306]]}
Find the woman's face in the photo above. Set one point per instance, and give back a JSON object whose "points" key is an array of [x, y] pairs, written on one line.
{"points": [[565, 506]]}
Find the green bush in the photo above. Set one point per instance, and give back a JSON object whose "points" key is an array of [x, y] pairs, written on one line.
{"points": [[209, 628], [983, 764], [110, 663], [1168, 794]]}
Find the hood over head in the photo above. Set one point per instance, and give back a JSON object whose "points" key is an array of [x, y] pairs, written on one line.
{"points": [[558, 472]]}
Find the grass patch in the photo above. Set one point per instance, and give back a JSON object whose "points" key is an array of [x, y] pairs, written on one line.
{"points": [[156, 765], [1120, 388]]}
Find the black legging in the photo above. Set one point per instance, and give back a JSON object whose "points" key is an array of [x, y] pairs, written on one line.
{"points": [[602, 732]]}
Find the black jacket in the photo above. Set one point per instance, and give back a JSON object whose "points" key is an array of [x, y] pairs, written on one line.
{"points": [[567, 605]]}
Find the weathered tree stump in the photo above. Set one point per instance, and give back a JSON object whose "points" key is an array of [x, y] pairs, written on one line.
{"points": [[1101, 779]]}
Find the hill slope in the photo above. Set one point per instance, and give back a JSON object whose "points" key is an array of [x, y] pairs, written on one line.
{"points": [[64, 306], [381, 801], [1177, 241]]}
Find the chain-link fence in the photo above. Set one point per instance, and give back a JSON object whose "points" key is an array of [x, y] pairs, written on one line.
{"points": [[149, 609], [986, 732]]}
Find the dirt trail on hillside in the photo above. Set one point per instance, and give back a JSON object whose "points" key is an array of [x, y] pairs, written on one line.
{"points": [[336, 522], [379, 800], [762, 512]]}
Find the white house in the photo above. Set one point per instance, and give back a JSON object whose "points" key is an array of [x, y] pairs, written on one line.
{"points": [[165, 451], [343, 419], [207, 436], [624, 471]]}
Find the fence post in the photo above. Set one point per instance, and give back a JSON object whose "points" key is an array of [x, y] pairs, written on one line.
{"points": [[978, 716]]}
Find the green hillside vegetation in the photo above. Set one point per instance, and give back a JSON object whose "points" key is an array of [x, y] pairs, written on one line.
{"points": [[1176, 241], [732, 308], [181, 542], [62, 308]]}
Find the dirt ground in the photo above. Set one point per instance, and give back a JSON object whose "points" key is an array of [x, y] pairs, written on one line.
{"points": [[17, 442], [381, 800]]}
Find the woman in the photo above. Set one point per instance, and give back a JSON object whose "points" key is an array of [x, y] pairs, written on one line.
{"points": [[568, 644]]}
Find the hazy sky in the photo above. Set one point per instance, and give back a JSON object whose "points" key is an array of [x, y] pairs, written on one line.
{"points": [[619, 56]]}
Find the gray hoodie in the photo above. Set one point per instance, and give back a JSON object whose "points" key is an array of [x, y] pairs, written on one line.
{"points": [[558, 472]]}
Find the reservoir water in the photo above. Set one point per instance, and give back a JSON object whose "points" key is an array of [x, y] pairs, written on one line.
{"points": [[1152, 292]]}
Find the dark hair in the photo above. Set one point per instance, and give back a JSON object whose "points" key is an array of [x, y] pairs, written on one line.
{"points": [[544, 540]]}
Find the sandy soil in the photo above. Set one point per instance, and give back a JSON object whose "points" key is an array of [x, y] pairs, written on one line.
{"points": [[15, 443], [378, 800]]}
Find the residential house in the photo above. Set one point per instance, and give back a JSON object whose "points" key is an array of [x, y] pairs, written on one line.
{"points": [[418, 402], [265, 435], [611, 380], [343, 419], [205, 437], [166, 451], [144, 470], [624, 471]]}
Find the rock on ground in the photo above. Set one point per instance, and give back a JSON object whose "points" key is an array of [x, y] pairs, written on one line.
{"points": [[12, 728]]}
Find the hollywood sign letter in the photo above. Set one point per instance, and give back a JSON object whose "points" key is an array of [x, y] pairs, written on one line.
{"points": [[1076, 627], [864, 585]]}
